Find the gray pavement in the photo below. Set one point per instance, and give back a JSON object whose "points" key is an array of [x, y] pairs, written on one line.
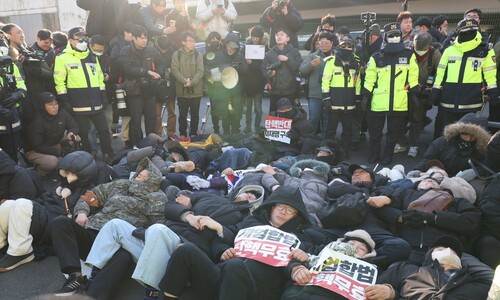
{"points": [[44, 277]]}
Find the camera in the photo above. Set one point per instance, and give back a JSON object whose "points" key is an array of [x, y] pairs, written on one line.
{"points": [[282, 3], [120, 96], [160, 86], [31, 55], [368, 16], [274, 66], [5, 64]]}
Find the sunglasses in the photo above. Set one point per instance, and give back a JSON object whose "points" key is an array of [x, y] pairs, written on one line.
{"points": [[393, 35], [82, 40], [346, 46]]}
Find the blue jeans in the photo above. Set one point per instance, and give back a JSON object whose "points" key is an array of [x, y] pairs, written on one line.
{"points": [[317, 116], [151, 256]]}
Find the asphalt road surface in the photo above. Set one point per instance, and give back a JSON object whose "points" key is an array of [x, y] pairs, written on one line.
{"points": [[43, 277]]}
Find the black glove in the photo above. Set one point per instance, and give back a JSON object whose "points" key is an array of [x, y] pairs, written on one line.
{"points": [[435, 96], [139, 233], [13, 99], [414, 90], [366, 102], [6, 114], [326, 97], [493, 95], [417, 218]]}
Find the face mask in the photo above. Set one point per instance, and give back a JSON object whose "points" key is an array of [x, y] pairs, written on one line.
{"points": [[98, 53], [394, 40], [465, 145], [81, 46], [447, 257], [466, 36], [421, 52], [344, 54]]}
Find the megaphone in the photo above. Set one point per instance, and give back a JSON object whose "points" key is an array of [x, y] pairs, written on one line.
{"points": [[229, 77]]}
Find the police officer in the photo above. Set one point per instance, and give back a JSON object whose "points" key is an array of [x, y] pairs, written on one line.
{"points": [[340, 86], [12, 92], [391, 74], [80, 88], [462, 69]]}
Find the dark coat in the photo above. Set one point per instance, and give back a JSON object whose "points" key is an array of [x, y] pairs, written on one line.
{"points": [[47, 131], [15, 181], [181, 23], [292, 22], [426, 282], [152, 21], [461, 219], [284, 82], [489, 205], [105, 17], [302, 130], [254, 81]]}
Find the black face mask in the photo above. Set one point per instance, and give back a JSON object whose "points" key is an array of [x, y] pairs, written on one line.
{"points": [[344, 54], [465, 146], [466, 36], [289, 114]]}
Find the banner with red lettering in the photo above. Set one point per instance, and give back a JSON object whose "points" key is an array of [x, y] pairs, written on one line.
{"points": [[266, 244], [277, 128], [342, 274]]}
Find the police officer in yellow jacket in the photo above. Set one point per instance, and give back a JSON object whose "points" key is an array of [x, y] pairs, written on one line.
{"points": [[12, 92], [340, 85], [391, 77], [80, 88], [463, 68]]}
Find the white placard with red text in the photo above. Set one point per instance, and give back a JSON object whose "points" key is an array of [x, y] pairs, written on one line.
{"points": [[277, 128], [266, 244], [342, 274]]}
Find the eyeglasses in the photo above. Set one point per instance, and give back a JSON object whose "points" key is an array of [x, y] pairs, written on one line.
{"points": [[286, 209], [393, 35]]}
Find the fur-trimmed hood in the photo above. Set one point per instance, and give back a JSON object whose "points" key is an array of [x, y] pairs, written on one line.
{"points": [[319, 169], [482, 136]]}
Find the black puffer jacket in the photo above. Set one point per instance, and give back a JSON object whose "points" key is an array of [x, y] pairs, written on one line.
{"points": [[283, 83], [15, 181]]}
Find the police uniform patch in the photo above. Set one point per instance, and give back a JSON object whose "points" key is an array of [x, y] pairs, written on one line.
{"points": [[403, 60]]}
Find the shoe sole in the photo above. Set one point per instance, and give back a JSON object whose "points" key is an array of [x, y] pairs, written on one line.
{"points": [[22, 262], [65, 294], [399, 151]]}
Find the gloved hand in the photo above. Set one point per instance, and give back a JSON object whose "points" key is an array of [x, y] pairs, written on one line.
{"points": [[6, 114], [13, 99], [414, 90], [366, 102], [139, 233], [435, 96], [414, 218], [493, 95], [326, 97]]}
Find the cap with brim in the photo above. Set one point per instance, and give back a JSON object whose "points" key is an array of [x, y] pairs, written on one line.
{"points": [[393, 27], [284, 103], [77, 32], [467, 25], [47, 97], [451, 242], [347, 39], [326, 149], [353, 168]]}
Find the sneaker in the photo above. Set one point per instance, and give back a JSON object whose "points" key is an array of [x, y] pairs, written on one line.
{"points": [[72, 284], [413, 152], [399, 148], [9, 262]]}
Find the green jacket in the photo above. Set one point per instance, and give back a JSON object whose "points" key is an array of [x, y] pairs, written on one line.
{"points": [[187, 65]]}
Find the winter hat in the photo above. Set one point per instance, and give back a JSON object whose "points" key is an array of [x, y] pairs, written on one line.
{"points": [[258, 191], [353, 168], [46, 97], [285, 162], [284, 103], [471, 118], [362, 236]]}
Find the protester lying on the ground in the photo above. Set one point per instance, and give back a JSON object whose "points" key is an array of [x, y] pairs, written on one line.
{"points": [[16, 181], [347, 210], [309, 176], [443, 274], [460, 142], [424, 213], [138, 201], [239, 278], [356, 243], [151, 248], [23, 222]]}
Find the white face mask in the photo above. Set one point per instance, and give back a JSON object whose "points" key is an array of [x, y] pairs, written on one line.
{"points": [[447, 257], [394, 40], [98, 53], [81, 46], [421, 52]]}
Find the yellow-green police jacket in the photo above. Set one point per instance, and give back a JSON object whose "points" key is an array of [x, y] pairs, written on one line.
{"points": [[79, 76], [387, 76], [15, 82], [341, 86], [460, 75]]}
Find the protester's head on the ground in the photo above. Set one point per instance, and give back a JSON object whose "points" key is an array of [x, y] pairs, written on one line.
{"points": [[362, 242], [392, 33], [14, 34], [405, 19], [184, 200], [423, 24], [253, 194], [79, 168], [422, 42], [142, 176], [447, 250], [474, 13], [188, 40], [284, 105], [44, 39], [78, 39], [49, 103], [159, 6], [427, 184], [282, 36], [140, 36], [98, 44], [440, 22], [59, 39], [328, 23], [361, 174], [467, 30]]}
